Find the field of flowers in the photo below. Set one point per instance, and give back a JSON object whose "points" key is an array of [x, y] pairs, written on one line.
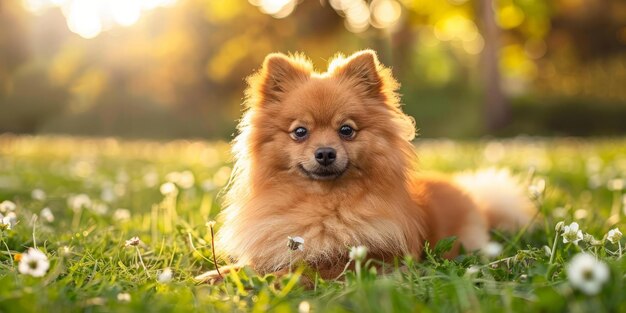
{"points": [[106, 225]]}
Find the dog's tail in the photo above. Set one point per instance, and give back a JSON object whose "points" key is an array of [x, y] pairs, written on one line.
{"points": [[501, 197]]}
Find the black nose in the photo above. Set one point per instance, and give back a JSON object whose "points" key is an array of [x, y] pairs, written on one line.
{"points": [[325, 156]]}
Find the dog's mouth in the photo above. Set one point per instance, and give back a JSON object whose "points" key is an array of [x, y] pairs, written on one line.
{"points": [[323, 173]]}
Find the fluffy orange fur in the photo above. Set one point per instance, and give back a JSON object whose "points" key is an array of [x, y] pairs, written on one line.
{"points": [[376, 198]]}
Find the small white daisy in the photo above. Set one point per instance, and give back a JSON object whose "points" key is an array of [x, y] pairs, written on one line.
{"points": [[38, 194], [8, 221], [108, 194], [121, 215], [168, 189], [295, 243], [614, 235], [5, 223], [10, 218], [46, 215], [186, 180], [492, 249], [358, 253], [304, 307], [123, 297], [537, 189], [135, 241], [572, 233], [79, 202], [65, 251], [472, 270], [7, 206], [165, 275], [34, 263], [587, 274]]}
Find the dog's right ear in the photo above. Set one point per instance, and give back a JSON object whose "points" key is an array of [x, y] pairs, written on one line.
{"points": [[281, 73]]}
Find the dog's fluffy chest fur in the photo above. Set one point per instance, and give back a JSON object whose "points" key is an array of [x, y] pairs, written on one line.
{"points": [[330, 223]]}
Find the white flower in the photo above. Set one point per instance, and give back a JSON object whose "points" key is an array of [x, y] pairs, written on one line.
{"points": [[46, 215], [186, 180], [547, 251], [123, 297], [135, 241], [559, 226], [165, 276], [65, 251], [304, 307], [587, 274], [34, 263], [358, 253], [492, 249], [108, 194], [168, 189], [614, 235], [572, 233], [7, 206], [10, 218], [472, 270], [537, 189], [295, 243], [79, 202], [38, 194], [5, 223], [121, 215]]}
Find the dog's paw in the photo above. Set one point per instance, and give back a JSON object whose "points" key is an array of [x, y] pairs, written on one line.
{"points": [[216, 275]]}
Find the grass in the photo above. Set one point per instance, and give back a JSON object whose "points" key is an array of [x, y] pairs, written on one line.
{"points": [[91, 270]]}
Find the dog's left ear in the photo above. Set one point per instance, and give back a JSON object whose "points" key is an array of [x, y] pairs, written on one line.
{"points": [[363, 69]]}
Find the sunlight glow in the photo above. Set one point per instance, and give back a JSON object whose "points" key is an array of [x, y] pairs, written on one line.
{"points": [[385, 12], [89, 18], [84, 19], [126, 12], [275, 8]]}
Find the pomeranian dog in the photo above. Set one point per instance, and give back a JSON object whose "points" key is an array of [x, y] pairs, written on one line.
{"points": [[328, 157]]}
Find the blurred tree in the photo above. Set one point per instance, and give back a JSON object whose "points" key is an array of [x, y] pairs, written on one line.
{"points": [[497, 111], [178, 70]]}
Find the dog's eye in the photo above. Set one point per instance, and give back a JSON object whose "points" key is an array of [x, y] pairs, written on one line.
{"points": [[299, 133], [346, 132]]}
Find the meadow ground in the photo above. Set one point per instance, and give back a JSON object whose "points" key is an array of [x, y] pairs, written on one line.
{"points": [[99, 193]]}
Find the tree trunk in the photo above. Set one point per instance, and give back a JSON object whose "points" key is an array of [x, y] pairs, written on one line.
{"points": [[497, 111]]}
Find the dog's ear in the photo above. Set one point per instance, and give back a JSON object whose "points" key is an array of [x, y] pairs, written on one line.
{"points": [[363, 69], [281, 74]]}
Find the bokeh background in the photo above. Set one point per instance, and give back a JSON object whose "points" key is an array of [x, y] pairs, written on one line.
{"points": [[176, 68]]}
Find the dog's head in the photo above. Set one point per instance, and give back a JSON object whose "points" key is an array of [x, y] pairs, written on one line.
{"points": [[328, 126]]}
